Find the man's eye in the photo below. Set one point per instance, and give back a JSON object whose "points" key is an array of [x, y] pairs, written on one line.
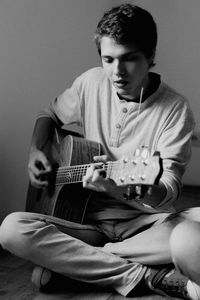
{"points": [[108, 60]]}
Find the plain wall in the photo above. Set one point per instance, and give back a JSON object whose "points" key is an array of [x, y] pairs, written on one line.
{"points": [[45, 44]]}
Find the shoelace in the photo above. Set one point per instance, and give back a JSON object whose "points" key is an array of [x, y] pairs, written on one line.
{"points": [[173, 287]]}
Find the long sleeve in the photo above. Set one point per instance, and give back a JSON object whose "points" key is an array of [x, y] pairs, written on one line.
{"points": [[174, 145]]}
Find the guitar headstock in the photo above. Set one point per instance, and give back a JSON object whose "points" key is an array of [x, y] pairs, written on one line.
{"points": [[139, 169]]}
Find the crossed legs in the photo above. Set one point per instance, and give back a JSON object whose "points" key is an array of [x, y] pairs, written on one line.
{"points": [[73, 250], [175, 240], [36, 238]]}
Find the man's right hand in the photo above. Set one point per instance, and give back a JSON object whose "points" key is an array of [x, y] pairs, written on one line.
{"points": [[38, 167]]}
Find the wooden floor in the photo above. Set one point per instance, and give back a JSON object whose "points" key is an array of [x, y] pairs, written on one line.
{"points": [[15, 275]]}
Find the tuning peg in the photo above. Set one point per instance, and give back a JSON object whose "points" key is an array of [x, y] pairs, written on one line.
{"points": [[132, 178], [125, 160], [138, 190], [149, 191], [145, 162], [122, 179], [142, 177], [134, 162], [128, 192]]}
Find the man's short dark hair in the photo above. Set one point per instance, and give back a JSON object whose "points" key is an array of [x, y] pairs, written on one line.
{"points": [[128, 24]]}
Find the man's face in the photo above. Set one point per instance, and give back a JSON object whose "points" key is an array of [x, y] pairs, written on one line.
{"points": [[125, 66]]}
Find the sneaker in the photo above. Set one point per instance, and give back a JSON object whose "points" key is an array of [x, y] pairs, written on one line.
{"points": [[50, 282], [170, 282], [41, 276]]}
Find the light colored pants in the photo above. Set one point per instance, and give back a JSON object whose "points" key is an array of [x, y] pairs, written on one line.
{"points": [[111, 254]]}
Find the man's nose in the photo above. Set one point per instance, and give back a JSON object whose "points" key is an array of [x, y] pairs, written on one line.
{"points": [[119, 68]]}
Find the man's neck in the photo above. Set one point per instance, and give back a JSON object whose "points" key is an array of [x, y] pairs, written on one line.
{"points": [[149, 88]]}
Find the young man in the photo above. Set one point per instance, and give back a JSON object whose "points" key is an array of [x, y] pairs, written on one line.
{"points": [[126, 240]]}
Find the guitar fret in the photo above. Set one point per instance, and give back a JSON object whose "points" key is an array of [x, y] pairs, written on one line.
{"points": [[71, 174]]}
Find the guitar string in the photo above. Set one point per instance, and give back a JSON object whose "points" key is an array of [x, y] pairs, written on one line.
{"points": [[81, 170], [78, 172], [63, 170]]}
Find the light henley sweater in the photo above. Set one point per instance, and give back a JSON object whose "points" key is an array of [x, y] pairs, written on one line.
{"points": [[164, 123]]}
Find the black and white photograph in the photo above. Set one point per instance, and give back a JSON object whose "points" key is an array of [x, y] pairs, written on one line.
{"points": [[100, 149]]}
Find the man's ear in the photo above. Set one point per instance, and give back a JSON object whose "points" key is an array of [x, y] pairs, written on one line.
{"points": [[151, 60]]}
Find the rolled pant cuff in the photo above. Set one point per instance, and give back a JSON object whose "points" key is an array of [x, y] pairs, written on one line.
{"points": [[126, 290]]}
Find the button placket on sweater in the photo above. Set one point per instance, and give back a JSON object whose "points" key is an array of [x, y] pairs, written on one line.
{"points": [[118, 127]]}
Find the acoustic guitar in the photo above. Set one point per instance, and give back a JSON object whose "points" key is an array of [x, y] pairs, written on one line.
{"points": [[72, 156]]}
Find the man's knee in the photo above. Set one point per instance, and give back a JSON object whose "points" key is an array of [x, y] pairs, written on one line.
{"points": [[185, 238], [10, 236], [185, 248]]}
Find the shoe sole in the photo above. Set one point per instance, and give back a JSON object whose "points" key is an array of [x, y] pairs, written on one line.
{"points": [[40, 276]]}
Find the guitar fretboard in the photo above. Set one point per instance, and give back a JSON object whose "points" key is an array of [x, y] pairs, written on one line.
{"points": [[73, 174]]}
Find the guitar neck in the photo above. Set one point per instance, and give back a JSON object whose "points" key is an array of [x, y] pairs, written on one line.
{"points": [[129, 171], [72, 174]]}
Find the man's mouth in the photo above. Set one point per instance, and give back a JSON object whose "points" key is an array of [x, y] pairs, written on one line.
{"points": [[120, 83]]}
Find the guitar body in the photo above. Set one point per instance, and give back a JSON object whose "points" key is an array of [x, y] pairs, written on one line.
{"points": [[66, 201]]}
